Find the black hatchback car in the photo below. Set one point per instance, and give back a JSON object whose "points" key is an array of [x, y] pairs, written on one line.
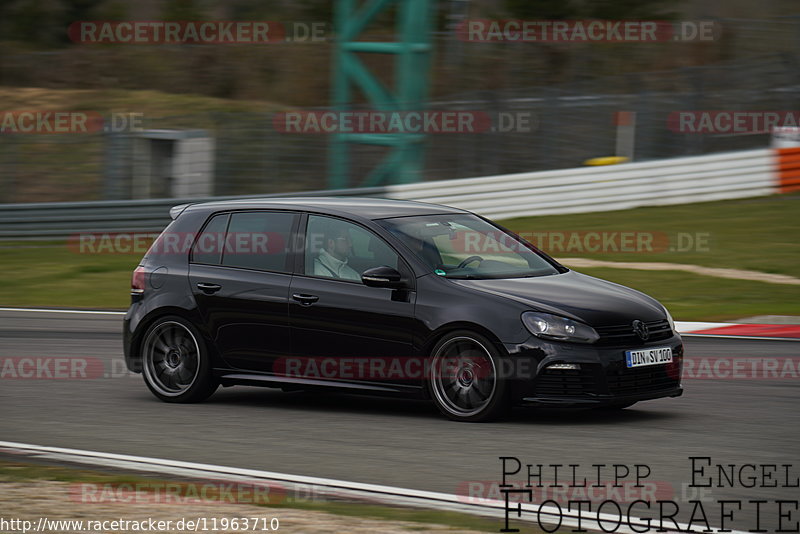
{"points": [[383, 296]]}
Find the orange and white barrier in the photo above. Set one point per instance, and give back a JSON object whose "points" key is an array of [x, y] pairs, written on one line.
{"points": [[787, 169], [739, 330]]}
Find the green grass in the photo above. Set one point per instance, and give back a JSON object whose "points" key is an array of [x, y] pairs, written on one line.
{"points": [[151, 104], [759, 234], [55, 275], [29, 472], [691, 297]]}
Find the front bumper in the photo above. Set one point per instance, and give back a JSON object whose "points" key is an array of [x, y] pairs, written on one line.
{"points": [[598, 401], [602, 379]]}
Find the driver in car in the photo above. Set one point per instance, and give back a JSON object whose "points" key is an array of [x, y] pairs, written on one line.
{"points": [[332, 259]]}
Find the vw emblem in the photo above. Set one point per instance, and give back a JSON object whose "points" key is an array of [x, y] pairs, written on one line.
{"points": [[641, 330]]}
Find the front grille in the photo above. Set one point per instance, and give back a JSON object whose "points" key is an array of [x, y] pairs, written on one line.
{"points": [[566, 382], [624, 381], [616, 379], [624, 334]]}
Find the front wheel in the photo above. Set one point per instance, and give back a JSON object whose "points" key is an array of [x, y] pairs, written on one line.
{"points": [[464, 378], [175, 361]]}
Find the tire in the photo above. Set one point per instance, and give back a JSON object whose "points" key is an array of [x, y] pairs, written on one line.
{"points": [[175, 361], [463, 378]]}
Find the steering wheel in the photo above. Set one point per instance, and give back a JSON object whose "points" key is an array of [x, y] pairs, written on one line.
{"points": [[469, 260]]}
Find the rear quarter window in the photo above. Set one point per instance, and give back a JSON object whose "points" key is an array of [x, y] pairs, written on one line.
{"points": [[209, 244]]}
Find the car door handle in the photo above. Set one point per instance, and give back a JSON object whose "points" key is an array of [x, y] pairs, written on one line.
{"points": [[305, 300], [207, 288]]}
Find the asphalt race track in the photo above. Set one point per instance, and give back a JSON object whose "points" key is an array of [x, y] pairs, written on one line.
{"points": [[397, 442]]}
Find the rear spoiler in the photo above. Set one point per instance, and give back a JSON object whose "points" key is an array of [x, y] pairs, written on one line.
{"points": [[176, 211]]}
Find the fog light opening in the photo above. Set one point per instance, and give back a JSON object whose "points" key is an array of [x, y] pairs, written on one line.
{"points": [[563, 366]]}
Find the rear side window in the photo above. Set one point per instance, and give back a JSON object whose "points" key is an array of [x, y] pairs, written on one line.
{"points": [[208, 246], [258, 240]]}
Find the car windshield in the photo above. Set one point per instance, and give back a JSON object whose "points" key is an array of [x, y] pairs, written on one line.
{"points": [[464, 246]]}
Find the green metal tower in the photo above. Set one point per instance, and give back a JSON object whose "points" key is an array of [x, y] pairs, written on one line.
{"points": [[411, 53]]}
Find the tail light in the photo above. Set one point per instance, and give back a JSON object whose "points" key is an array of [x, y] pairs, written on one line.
{"points": [[138, 281]]}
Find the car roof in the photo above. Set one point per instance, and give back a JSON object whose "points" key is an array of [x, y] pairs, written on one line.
{"points": [[368, 208]]}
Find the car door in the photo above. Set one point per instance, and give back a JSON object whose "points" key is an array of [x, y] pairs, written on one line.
{"points": [[240, 273], [340, 328]]}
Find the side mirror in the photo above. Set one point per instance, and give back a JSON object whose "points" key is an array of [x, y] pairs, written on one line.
{"points": [[382, 276]]}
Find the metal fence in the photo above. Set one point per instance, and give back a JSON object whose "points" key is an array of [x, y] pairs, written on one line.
{"points": [[67, 220], [571, 118], [740, 174]]}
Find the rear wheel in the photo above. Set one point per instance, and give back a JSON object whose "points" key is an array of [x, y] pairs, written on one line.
{"points": [[175, 361], [465, 380]]}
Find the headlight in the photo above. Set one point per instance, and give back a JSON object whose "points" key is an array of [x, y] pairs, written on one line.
{"points": [[549, 326], [670, 321]]}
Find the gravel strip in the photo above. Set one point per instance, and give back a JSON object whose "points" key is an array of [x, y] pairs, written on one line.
{"points": [[53, 500]]}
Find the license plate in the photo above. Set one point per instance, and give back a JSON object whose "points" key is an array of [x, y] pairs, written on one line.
{"points": [[642, 358]]}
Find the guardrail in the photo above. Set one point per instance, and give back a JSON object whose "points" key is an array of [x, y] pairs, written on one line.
{"points": [[730, 175], [673, 181], [58, 220]]}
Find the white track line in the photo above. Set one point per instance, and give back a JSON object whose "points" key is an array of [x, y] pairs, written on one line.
{"points": [[731, 336], [54, 310], [385, 494], [689, 326], [695, 329]]}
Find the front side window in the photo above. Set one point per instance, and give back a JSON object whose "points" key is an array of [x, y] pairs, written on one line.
{"points": [[468, 247], [342, 250]]}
